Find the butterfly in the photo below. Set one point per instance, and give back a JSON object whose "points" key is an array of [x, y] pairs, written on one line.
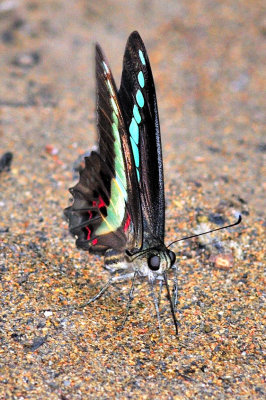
{"points": [[118, 204]]}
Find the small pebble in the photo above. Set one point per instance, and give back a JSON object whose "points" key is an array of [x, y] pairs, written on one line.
{"points": [[48, 314], [50, 149], [27, 60], [222, 261]]}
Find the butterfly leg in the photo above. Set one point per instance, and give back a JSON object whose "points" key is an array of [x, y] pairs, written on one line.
{"points": [[171, 303], [155, 301], [98, 295], [130, 298], [113, 279], [160, 291], [175, 289]]}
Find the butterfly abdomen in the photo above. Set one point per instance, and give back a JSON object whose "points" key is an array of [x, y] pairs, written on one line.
{"points": [[115, 260]]}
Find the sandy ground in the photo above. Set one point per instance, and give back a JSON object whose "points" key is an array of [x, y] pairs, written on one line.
{"points": [[206, 57]]}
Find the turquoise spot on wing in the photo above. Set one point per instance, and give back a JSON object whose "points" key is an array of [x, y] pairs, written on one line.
{"points": [[134, 130], [140, 98], [138, 175], [141, 56], [135, 152], [141, 79], [136, 114]]}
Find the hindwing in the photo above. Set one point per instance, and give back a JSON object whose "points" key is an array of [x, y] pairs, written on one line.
{"points": [[106, 211]]}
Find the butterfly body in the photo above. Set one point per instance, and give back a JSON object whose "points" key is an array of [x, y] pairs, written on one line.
{"points": [[119, 207]]}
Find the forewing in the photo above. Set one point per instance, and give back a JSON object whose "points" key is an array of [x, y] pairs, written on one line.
{"points": [[138, 98]]}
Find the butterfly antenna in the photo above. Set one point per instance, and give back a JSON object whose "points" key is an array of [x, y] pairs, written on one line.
{"points": [[171, 303], [205, 233]]}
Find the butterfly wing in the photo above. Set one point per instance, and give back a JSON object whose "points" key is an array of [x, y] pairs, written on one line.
{"points": [[138, 98], [106, 212]]}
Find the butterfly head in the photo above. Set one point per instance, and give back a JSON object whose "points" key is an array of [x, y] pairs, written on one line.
{"points": [[154, 261]]}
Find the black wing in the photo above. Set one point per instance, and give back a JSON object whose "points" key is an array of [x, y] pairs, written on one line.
{"points": [[138, 98], [106, 210]]}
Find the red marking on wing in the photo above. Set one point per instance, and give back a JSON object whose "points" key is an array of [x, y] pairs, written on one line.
{"points": [[89, 233], [127, 223], [88, 229], [101, 203]]}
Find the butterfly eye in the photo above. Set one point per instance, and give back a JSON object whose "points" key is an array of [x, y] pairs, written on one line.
{"points": [[154, 263], [172, 257]]}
